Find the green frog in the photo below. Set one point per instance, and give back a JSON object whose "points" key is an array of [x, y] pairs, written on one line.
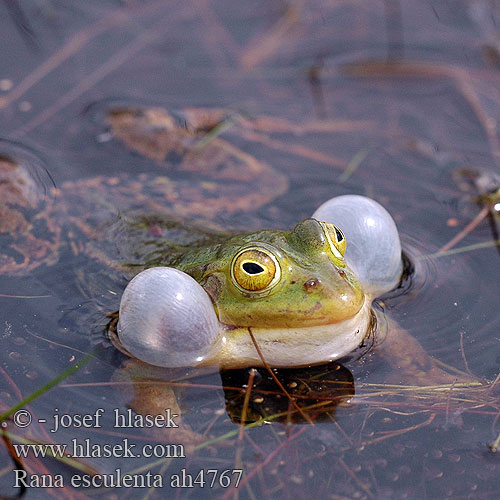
{"points": [[303, 295]]}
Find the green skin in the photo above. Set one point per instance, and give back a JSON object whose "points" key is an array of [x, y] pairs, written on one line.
{"points": [[315, 288]]}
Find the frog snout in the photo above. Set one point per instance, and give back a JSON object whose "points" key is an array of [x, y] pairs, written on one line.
{"points": [[312, 285]]}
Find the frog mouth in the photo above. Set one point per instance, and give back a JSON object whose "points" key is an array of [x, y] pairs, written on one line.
{"points": [[295, 346]]}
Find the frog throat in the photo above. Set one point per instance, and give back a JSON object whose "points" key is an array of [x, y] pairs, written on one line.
{"points": [[291, 347]]}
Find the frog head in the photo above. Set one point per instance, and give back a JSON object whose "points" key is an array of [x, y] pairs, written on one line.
{"points": [[271, 279]]}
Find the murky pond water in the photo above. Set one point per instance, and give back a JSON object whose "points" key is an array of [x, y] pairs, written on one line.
{"points": [[214, 115]]}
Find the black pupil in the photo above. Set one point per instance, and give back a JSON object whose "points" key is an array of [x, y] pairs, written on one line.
{"points": [[252, 268], [340, 236]]}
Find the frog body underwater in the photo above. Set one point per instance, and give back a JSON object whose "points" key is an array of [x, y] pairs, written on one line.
{"points": [[303, 298]]}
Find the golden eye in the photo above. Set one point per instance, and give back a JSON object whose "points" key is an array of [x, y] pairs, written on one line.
{"points": [[336, 239], [255, 269]]}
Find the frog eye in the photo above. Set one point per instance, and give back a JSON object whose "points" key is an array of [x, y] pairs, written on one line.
{"points": [[255, 270], [336, 239]]}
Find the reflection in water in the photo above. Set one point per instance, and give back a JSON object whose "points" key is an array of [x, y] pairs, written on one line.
{"points": [[316, 390]]}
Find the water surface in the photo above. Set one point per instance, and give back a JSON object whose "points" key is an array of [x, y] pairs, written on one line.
{"points": [[394, 100]]}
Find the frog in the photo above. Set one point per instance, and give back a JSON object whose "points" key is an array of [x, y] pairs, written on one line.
{"points": [[293, 289]]}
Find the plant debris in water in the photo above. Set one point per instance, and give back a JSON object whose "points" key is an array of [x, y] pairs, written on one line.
{"points": [[219, 116]]}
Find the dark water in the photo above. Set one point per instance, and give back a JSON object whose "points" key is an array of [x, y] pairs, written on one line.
{"points": [[327, 116]]}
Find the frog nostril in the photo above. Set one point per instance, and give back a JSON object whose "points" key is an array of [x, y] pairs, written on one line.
{"points": [[312, 284], [342, 273]]}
